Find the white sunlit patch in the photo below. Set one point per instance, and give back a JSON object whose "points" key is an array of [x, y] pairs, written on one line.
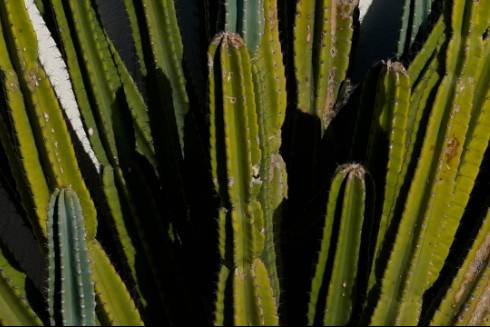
{"points": [[55, 67], [364, 7]]}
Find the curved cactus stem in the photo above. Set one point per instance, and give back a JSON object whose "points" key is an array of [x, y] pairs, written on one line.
{"points": [[138, 110], [56, 70], [136, 35], [428, 51], [322, 47], [235, 162], [59, 160], [469, 282], [346, 209], [114, 302], [70, 272], [270, 91], [166, 45], [219, 314], [391, 120], [114, 203], [75, 70], [102, 75], [14, 309], [439, 193], [18, 136]]}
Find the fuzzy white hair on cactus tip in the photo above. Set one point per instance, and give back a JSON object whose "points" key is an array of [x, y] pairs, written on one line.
{"points": [[52, 61]]}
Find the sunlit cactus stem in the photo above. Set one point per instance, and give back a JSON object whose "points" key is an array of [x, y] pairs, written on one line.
{"points": [[342, 235], [322, 46], [235, 162]]}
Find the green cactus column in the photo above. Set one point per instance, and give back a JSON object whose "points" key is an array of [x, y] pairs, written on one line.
{"points": [[388, 152], [14, 308], [270, 93], [322, 46], [342, 233], [453, 150], [467, 300], [71, 289], [59, 160], [244, 286]]}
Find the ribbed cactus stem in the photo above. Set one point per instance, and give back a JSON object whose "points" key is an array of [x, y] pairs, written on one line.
{"points": [[246, 17], [14, 308], [235, 162], [390, 121], [442, 183], [56, 149], [56, 70], [167, 49], [35, 195], [346, 210], [322, 47], [270, 92], [461, 304], [69, 266]]}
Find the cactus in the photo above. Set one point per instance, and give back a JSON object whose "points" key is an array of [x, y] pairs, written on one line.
{"points": [[36, 196], [414, 16], [391, 120], [426, 242], [60, 161], [166, 46], [322, 46], [119, 150], [246, 18], [14, 308], [71, 289], [465, 303], [236, 157], [270, 92], [341, 246]]}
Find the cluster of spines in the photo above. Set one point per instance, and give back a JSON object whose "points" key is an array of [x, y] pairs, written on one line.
{"points": [[346, 209]]}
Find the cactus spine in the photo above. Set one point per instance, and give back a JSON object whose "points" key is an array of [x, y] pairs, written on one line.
{"points": [[342, 231], [69, 264], [236, 158], [322, 46]]}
